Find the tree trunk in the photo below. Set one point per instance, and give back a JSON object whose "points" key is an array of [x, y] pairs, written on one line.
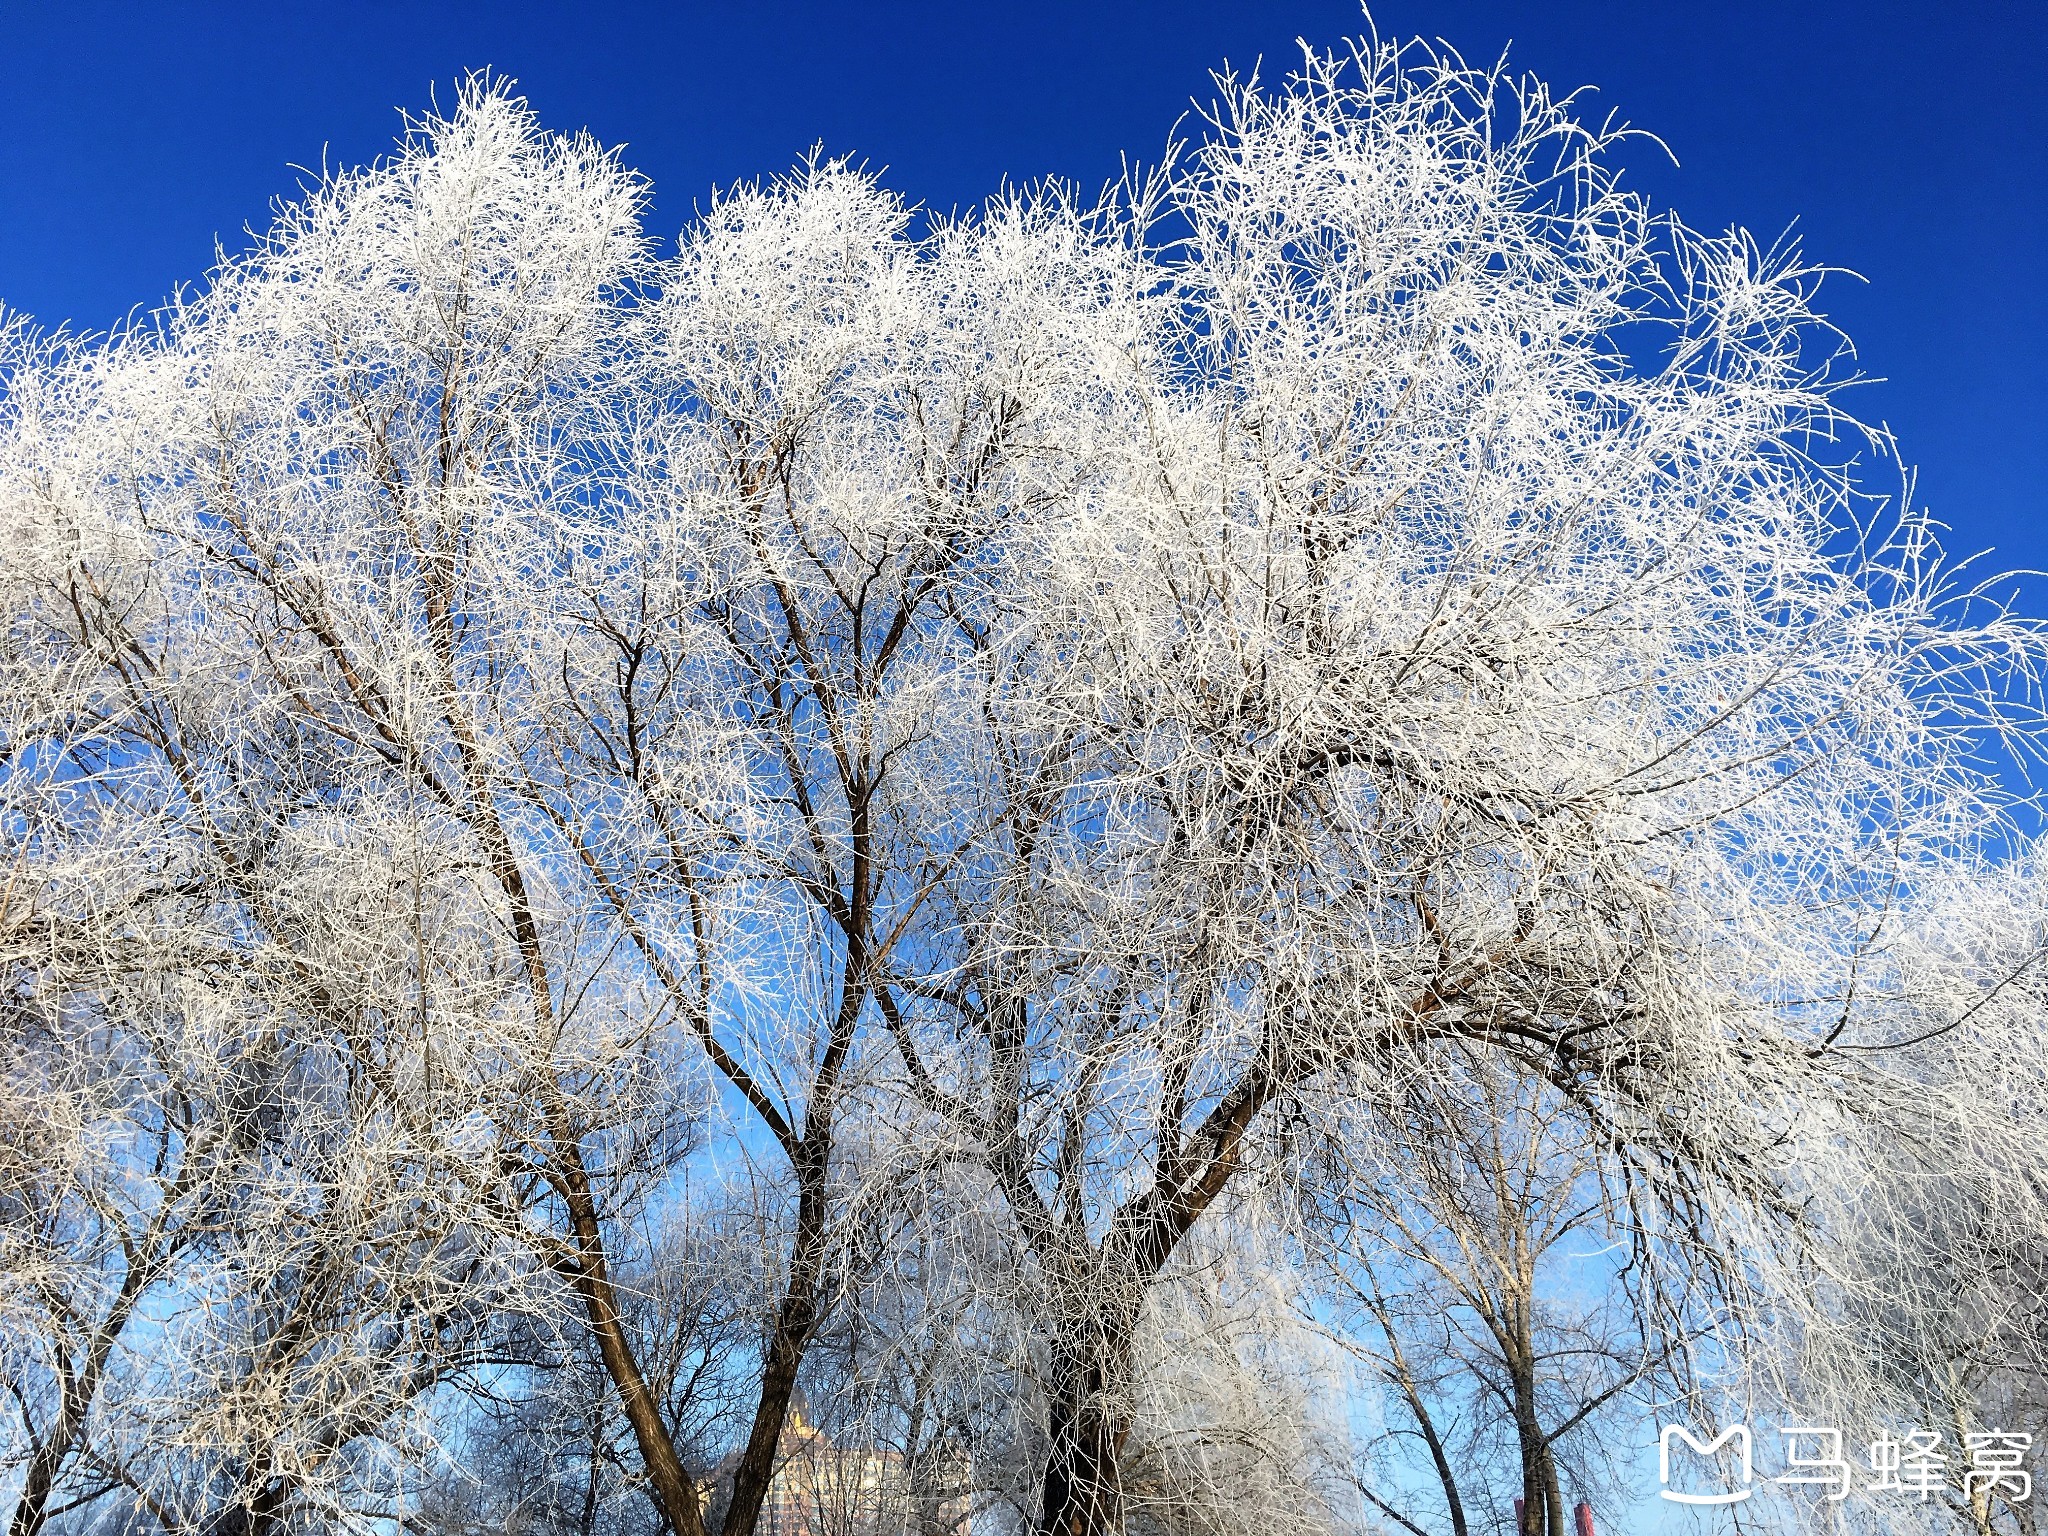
{"points": [[261, 1514], [76, 1397], [1532, 1508], [802, 1305], [1542, 1501], [1553, 1491], [794, 1321], [673, 1491], [1541, 1514], [1082, 1492], [671, 1487]]}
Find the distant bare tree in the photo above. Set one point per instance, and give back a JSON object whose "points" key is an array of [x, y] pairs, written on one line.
{"points": [[1505, 1298]]}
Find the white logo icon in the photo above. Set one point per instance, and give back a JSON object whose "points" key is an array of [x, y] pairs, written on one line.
{"points": [[1739, 1434]]}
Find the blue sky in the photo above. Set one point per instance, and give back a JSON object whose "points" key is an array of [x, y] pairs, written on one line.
{"points": [[1909, 141]]}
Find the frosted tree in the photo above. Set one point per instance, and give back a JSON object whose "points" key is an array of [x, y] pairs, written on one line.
{"points": [[1948, 1274], [235, 544], [240, 1246], [436, 527], [1020, 728], [1417, 671]]}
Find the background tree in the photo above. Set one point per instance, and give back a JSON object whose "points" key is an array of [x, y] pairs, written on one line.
{"points": [[1512, 1309]]}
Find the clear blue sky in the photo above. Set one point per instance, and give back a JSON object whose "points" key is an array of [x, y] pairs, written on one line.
{"points": [[1910, 141]]}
